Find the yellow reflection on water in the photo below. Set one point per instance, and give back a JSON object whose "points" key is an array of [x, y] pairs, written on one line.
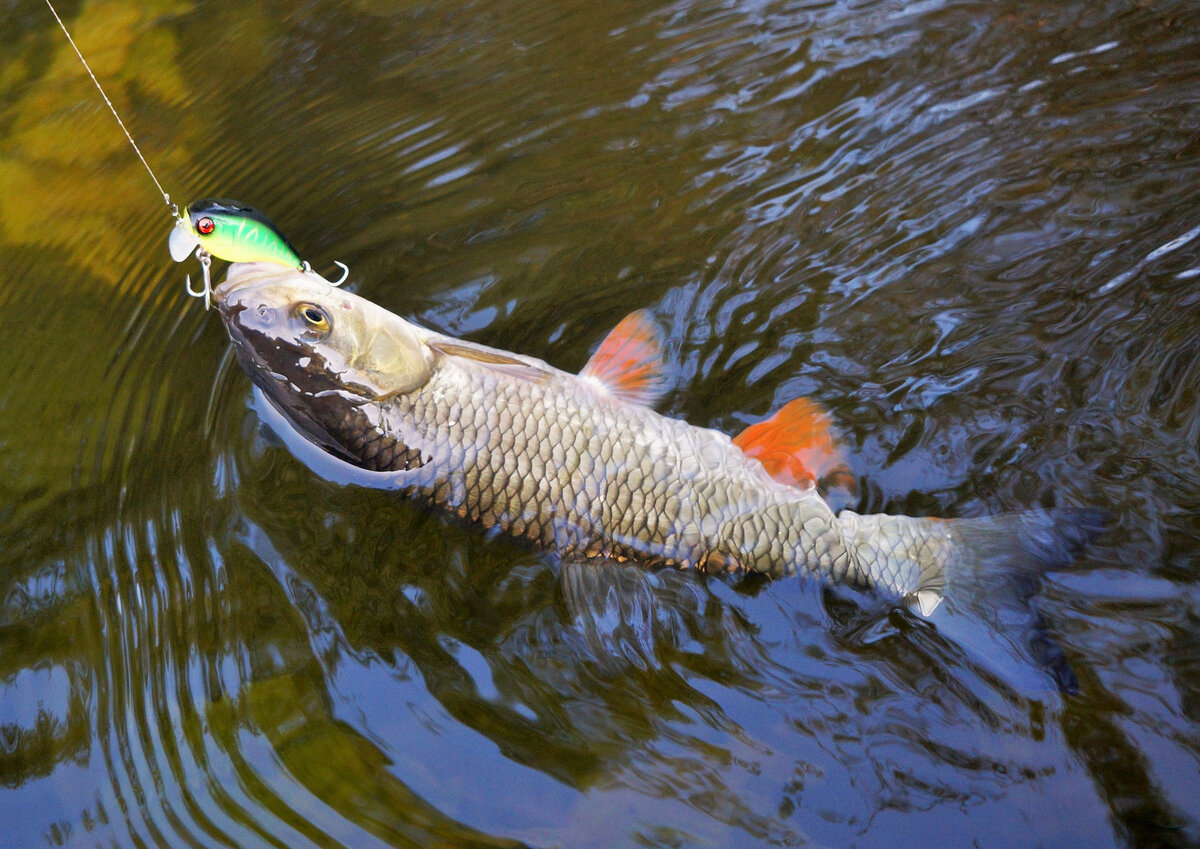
{"points": [[68, 177]]}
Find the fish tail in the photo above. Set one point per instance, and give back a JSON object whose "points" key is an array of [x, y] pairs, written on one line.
{"points": [[967, 574], [1001, 559]]}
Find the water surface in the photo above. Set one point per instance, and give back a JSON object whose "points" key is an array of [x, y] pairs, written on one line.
{"points": [[972, 230]]}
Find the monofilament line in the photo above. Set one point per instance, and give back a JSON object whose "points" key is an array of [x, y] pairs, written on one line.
{"points": [[111, 108]]}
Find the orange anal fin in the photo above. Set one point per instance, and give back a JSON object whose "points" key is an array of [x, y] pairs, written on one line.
{"points": [[628, 362], [797, 447]]}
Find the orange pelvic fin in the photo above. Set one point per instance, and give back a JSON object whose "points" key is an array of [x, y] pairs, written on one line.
{"points": [[628, 363], [797, 447]]}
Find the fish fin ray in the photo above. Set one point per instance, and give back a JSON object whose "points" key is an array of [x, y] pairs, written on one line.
{"points": [[625, 614], [976, 580], [497, 361], [628, 363], [796, 446]]}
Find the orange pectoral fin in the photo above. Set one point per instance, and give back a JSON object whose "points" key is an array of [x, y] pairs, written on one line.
{"points": [[796, 445], [628, 362]]}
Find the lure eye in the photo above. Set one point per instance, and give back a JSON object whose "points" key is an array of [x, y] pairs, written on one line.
{"points": [[315, 319], [205, 226]]}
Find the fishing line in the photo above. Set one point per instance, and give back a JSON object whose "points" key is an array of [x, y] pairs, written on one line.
{"points": [[254, 238], [166, 197], [202, 255]]}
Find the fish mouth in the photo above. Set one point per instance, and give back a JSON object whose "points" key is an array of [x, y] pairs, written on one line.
{"points": [[239, 293], [277, 366], [228, 297]]}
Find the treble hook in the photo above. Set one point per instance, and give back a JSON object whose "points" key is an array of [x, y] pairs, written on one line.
{"points": [[205, 261], [307, 269]]}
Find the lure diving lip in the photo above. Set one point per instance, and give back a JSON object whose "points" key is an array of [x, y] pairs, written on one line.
{"points": [[182, 241]]}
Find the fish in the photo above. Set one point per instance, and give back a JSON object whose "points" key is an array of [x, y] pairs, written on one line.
{"points": [[581, 465]]}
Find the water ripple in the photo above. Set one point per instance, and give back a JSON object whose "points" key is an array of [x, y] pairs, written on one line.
{"points": [[968, 229]]}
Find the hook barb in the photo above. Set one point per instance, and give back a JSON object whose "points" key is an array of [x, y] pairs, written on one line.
{"points": [[206, 291]]}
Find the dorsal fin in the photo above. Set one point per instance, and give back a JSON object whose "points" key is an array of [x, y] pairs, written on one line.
{"points": [[628, 363], [497, 361], [796, 445]]}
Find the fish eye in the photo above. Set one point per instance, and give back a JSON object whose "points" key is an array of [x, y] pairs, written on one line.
{"points": [[205, 226], [316, 320]]}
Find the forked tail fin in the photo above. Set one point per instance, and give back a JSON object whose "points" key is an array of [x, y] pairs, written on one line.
{"points": [[958, 572], [1001, 559]]}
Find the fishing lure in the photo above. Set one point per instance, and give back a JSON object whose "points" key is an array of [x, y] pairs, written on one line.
{"points": [[233, 231], [224, 229]]}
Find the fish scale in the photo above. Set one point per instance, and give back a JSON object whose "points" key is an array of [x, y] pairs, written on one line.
{"points": [[568, 466]]}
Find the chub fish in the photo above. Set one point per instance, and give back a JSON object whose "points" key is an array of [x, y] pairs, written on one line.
{"points": [[581, 464]]}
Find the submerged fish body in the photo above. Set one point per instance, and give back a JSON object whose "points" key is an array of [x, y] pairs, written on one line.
{"points": [[579, 463]]}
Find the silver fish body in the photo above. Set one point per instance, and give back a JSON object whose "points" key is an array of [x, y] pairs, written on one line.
{"points": [[561, 462], [510, 442]]}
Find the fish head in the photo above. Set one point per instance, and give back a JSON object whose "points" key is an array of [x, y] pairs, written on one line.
{"points": [[324, 357]]}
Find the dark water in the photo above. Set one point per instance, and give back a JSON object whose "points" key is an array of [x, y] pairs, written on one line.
{"points": [[972, 230]]}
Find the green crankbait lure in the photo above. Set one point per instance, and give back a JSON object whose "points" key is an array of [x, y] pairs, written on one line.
{"points": [[233, 231]]}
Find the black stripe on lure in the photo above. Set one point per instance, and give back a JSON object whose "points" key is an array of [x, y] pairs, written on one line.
{"points": [[233, 231]]}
